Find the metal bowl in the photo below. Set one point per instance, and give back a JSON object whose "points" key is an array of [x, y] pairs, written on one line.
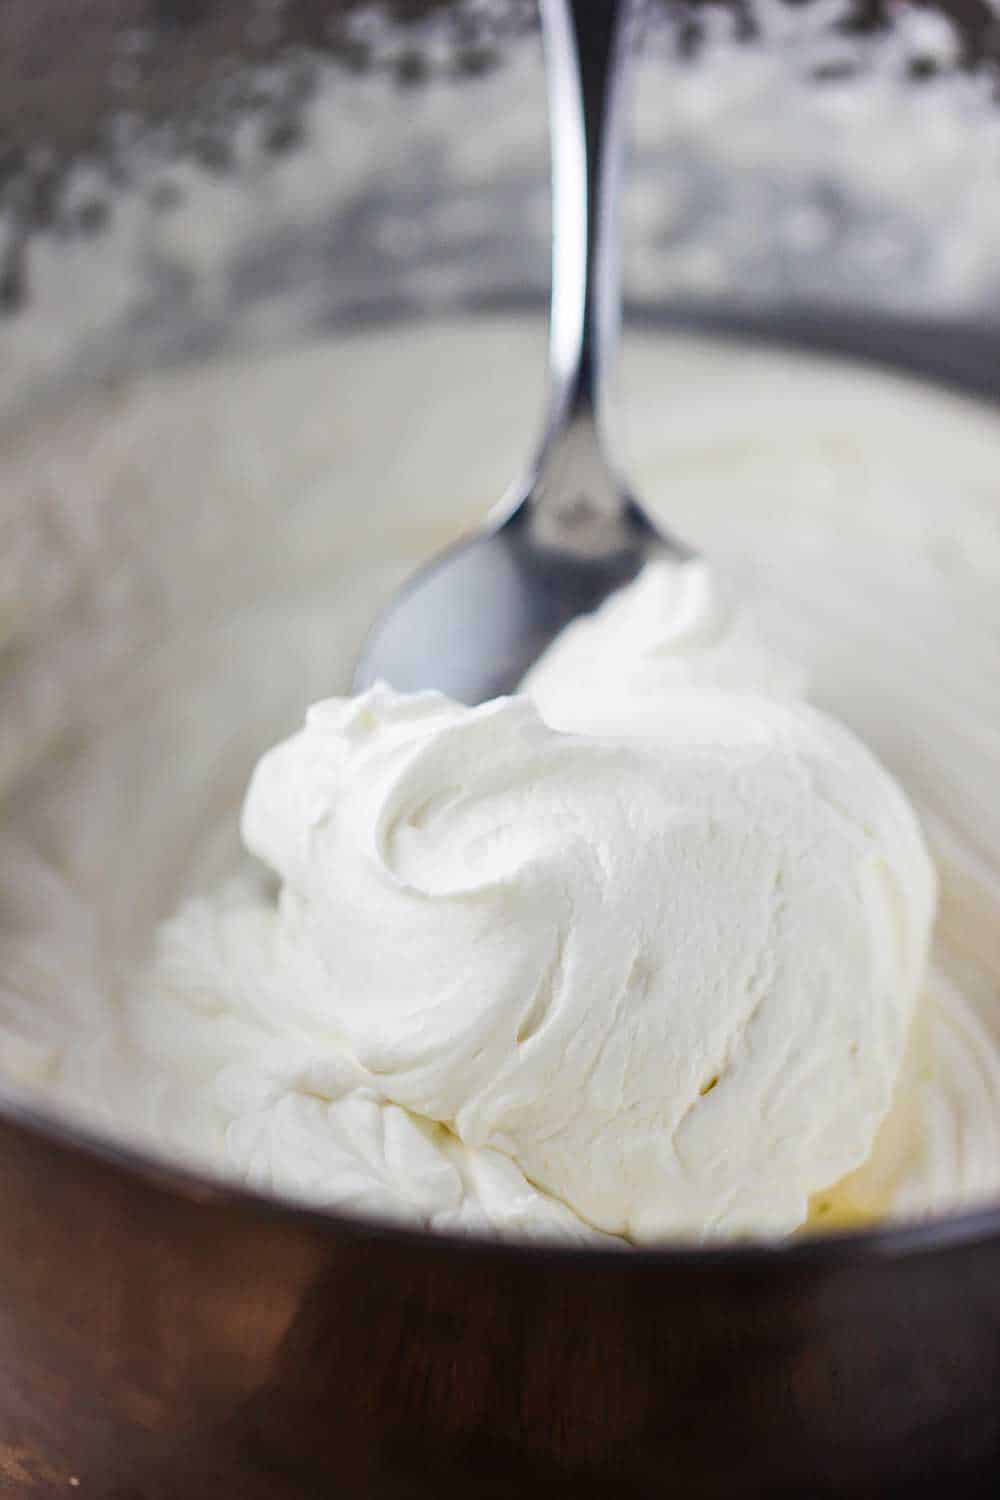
{"points": [[162, 1336]]}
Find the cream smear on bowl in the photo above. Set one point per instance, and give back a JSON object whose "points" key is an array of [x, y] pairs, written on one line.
{"points": [[197, 557]]}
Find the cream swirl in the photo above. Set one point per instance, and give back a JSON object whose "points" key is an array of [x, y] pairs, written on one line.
{"points": [[667, 966]]}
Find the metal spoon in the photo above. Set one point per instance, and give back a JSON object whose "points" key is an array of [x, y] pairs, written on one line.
{"points": [[570, 533]]}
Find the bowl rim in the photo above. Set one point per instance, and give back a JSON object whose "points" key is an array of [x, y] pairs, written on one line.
{"points": [[834, 1248]]}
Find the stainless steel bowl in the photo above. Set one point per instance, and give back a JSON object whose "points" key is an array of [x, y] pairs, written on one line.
{"points": [[162, 1336]]}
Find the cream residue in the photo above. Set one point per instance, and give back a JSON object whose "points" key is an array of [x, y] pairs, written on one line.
{"points": [[838, 537]]}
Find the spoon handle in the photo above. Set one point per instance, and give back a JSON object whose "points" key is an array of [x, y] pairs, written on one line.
{"points": [[588, 52]]}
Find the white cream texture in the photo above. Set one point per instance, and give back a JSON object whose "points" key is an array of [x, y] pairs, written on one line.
{"points": [[666, 963], [486, 999]]}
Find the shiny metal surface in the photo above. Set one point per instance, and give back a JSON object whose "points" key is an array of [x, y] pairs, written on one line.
{"points": [[162, 1338], [571, 533]]}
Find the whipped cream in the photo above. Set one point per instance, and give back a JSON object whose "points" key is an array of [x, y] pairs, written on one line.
{"points": [[665, 963], [229, 1048]]}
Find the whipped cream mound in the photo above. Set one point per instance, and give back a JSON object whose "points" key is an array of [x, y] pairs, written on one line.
{"points": [[633, 953], [671, 630]]}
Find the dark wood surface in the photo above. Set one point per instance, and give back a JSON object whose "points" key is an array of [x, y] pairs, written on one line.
{"points": [[63, 62]]}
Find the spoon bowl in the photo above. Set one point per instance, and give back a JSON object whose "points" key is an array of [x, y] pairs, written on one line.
{"points": [[475, 619]]}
